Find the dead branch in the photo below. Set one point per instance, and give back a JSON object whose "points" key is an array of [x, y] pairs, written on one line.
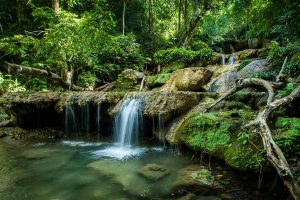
{"points": [[30, 71], [280, 75], [243, 83], [106, 87]]}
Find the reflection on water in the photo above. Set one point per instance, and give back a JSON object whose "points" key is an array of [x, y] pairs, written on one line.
{"points": [[70, 170]]}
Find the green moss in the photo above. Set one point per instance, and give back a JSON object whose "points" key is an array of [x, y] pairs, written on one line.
{"points": [[157, 80], [243, 157], [221, 134], [171, 67]]}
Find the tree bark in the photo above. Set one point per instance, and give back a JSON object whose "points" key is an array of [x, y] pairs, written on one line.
{"points": [[55, 6], [106, 86], [186, 5], [198, 16], [150, 15], [123, 16], [30, 71], [179, 16]]}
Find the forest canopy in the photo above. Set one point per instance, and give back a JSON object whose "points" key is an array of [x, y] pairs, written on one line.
{"points": [[96, 40]]}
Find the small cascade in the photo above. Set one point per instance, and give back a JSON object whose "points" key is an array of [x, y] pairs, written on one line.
{"points": [[223, 61], [85, 118], [128, 122], [231, 59], [70, 121], [98, 120], [161, 129]]}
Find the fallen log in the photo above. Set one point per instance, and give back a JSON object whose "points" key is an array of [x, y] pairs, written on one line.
{"points": [[11, 68], [106, 87]]}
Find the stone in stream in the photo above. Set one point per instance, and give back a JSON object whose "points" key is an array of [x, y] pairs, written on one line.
{"points": [[33, 154], [153, 171], [195, 179], [125, 175]]}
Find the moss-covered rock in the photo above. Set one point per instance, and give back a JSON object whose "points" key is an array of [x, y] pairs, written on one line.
{"points": [[188, 79], [196, 179], [220, 134]]}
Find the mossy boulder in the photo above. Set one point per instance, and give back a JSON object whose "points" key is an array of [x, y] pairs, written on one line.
{"points": [[188, 79], [195, 179], [220, 134]]}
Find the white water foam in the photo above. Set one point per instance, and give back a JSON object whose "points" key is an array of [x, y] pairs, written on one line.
{"points": [[123, 152]]}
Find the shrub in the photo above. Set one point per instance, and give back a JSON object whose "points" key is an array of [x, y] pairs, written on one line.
{"points": [[181, 54], [198, 45], [8, 84], [87, 79]]}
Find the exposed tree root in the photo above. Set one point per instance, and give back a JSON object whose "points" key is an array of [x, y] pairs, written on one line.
{"points": [[273, 152], [30, 71]]}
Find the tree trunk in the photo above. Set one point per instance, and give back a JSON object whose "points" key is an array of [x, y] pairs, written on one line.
{"points": [[198, 16], [186, 5], [123, 16], [150, 15], [55, 6], [30, 71], [179, 16]]}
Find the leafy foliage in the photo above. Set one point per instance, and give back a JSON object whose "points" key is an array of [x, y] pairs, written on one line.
{"points": [[181, 54], [7, 84], [286, 91], [289, 135]]}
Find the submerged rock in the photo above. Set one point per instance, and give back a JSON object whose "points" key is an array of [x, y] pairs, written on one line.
{"points": [[195, 179], [153, 171]]}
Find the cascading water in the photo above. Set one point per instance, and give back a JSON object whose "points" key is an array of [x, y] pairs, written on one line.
{"points": [[98, 121], [70, 121], [85, 118], [231, 59], [223, 62], [128, 122]]}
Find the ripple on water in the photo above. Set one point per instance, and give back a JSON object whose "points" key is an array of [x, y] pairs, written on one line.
{"points": [[80, 143]]}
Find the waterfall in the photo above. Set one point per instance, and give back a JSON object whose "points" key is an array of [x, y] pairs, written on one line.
{"points": [[231, 59], [128, 122], [70, 121], [85, 118], [223, 62], [98, 120]]}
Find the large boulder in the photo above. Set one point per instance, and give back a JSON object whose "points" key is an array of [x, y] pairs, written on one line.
{"points": [[223, 82], [254, 67], [195, 179], [220, 134], [188, 79], [133, 75]]}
